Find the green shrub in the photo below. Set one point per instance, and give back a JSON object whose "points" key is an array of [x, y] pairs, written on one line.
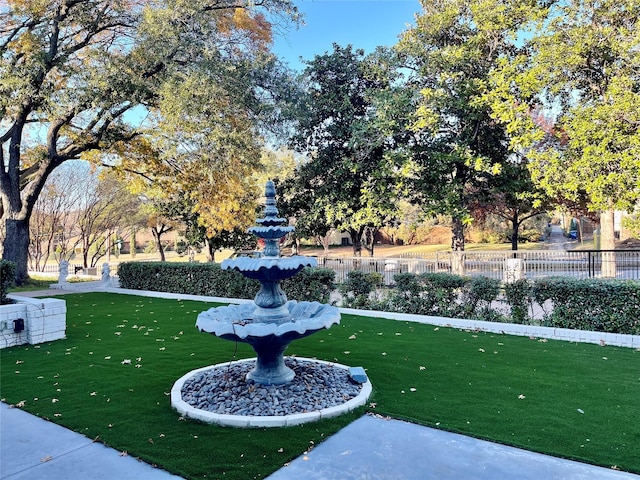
{"points": [[209, 279], [601, 305], [311, 284], [519, 297], [189, 278], [479, 293], [7, 274], [435, 294], [356, 290]]}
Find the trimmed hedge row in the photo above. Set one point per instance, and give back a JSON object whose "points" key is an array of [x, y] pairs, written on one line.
{"points": [[601, 305], [7, 274], [437, 294], [596, 305], [311, 284]]}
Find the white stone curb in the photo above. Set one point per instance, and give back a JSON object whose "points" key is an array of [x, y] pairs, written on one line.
{"points": [[251, 421]]}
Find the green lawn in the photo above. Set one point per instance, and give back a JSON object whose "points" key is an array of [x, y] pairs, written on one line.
{"points": [[578, 401]]}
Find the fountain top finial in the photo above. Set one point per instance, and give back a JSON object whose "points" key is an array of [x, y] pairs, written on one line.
{"points": [[271, 218]]}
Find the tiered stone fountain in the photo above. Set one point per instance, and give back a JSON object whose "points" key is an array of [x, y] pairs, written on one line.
{"points": [[269, 325]]}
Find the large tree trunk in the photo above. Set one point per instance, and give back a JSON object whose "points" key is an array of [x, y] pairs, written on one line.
{"points": [[370, 238], [356, 240], [457, 246], [211, 250], [15, 247], [157, 234], [515, 231], [607, 242], [457, 235]]}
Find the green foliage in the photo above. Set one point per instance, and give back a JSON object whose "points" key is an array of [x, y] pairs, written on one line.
{"points": [[518, 295], [208, 279], [189, 278], [594, 304], [351, 181], [443, 295], [201, 88], [568, 96], [358, 287], [479, 294], [311, 285], [7, 274], [461, 149], [600, 305]]}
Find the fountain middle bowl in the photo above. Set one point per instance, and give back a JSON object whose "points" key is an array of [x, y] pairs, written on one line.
{"points": [[237, 321]]}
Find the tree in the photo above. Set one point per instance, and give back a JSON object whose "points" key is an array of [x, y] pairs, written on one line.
{"points": [[512, 197], [72, 71], [54, 215], [461, 148], [350, 180], [580, 64], [105, 210]]}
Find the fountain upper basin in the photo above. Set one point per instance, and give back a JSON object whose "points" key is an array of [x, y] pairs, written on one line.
{"points": [[269, 268]]}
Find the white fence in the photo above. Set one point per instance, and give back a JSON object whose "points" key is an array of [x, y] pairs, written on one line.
{"points": [[503, 265]]}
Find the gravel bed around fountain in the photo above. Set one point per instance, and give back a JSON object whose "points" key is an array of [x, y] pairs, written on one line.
{"points": [[220, 394]]}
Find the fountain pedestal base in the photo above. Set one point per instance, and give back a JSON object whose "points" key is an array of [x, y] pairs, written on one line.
{"points": [[270, 368]]}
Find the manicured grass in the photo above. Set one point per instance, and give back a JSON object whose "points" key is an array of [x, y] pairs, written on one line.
{"points": [[572, 400]]}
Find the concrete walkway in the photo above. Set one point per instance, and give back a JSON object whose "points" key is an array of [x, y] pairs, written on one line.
{"points": [[369, 448], [34, 449]]}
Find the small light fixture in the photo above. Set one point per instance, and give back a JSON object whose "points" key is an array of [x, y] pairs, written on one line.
{"points": [[18, 325], [357, 374]]}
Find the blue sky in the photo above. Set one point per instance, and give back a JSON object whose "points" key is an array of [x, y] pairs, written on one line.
{"points": [[362, 23]]}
